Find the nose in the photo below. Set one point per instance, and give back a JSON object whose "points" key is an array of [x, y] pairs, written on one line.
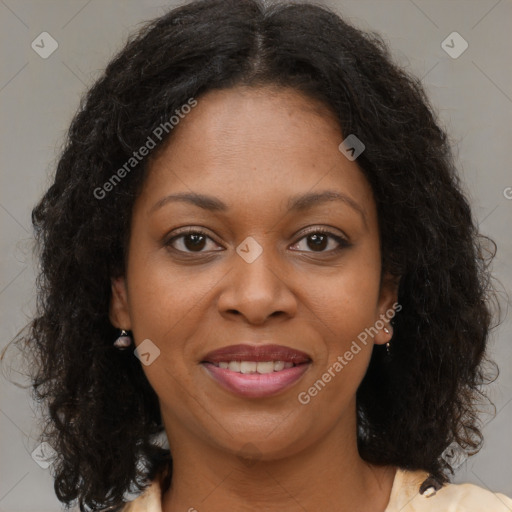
{"points": [[257, 290]]}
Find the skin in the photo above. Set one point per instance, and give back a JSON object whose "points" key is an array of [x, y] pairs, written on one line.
{"points": [[253, 149]]}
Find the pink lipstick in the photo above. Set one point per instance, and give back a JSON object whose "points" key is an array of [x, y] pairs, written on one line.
{"points": [[256, 371]]}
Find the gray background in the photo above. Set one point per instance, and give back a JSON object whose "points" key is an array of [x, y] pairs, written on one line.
{"points": [[472, 94]]}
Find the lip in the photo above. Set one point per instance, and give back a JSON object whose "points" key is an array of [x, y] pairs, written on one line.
{"points": [[256, 385], [257, 353]]}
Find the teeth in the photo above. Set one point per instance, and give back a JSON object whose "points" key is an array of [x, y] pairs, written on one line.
{"points": [[265, 366], [278, 366], [234, 366], [247, 367]]}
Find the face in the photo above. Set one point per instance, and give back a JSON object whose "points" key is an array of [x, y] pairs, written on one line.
{"points": [[257, 263]]}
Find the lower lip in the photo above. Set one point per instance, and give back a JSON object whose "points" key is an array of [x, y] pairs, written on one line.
{"points": [[256, 385]]}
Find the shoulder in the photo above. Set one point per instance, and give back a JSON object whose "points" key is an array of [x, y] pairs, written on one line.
{"points": [[405, 496]]}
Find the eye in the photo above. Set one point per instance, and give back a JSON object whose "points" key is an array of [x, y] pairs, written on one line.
{"points": [[318, 239], [191, 240], [194, 240]]}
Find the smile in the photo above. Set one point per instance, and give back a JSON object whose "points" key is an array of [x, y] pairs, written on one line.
{"points": [[253, 379]]}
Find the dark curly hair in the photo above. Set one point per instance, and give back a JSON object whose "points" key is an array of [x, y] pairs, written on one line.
{"points": [[103, 415]]}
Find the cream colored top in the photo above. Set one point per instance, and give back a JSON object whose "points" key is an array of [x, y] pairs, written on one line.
{"points": [[404, 497]]}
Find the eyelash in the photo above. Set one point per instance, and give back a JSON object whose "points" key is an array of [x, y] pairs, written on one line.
{"points": [[343, 243]]}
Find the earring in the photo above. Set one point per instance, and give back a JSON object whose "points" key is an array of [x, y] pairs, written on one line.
{"points": [[123, 341], [388, 344]]}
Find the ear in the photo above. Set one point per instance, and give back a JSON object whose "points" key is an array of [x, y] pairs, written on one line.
{"points": [[387, 308], [119, 312]]}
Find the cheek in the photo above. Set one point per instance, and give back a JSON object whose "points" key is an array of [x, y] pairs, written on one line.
{"points": [[346, 300], [164, 307], [164, 299], [343, 307], [342, 311]]}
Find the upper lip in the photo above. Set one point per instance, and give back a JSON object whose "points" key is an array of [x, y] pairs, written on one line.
{"points": [[256, 353]]}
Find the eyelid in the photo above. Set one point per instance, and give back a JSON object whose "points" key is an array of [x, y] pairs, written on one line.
{"points": [[326, 230]]}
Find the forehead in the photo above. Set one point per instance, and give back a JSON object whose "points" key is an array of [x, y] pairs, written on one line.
{"points": [[255, 144]]}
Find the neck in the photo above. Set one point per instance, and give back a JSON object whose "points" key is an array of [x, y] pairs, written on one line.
{"points": [[326, 475]]}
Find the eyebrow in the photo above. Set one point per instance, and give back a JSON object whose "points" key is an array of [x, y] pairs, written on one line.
{"points": [[295, 204]]}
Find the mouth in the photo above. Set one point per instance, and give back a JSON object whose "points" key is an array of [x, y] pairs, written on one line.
{"points": [[256, 371]]}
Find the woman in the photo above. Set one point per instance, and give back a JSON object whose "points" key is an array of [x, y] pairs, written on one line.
{"points": [[256, 245]]}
